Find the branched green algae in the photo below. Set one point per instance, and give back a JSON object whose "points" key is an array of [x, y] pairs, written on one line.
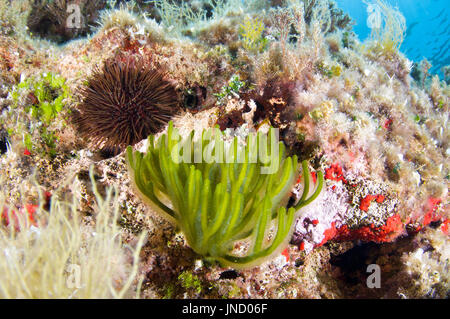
{"points": [[220, 203]]}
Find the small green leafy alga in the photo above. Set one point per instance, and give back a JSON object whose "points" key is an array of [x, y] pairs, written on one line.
{"points": [[251, 32], [42, 98]]}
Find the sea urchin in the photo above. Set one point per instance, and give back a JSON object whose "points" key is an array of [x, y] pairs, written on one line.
{"points": [[124, 102]]}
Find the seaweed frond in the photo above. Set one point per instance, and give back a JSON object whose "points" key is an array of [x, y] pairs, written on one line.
{"points": [[251, 32], [221, 194], [51, 253], [388, 26], [13, 17]]}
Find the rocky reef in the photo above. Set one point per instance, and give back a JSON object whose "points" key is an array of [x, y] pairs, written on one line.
{"points": [[374, 123]]}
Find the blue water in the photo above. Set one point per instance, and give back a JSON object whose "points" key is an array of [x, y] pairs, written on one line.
{"points": [[428, 28]]}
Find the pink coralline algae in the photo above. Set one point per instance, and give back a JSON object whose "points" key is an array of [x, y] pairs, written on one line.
{"points": [[444, 226], [25, 215], [355, 209], [386, 233], [11, 217], [334, 172], [431, 215], [365, 202]]}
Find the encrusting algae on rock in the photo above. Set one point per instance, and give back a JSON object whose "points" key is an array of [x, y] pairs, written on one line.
{"points": [[368, 127]]}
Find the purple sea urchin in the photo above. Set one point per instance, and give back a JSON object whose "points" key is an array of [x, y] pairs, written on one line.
{"points": [[124, 102]]}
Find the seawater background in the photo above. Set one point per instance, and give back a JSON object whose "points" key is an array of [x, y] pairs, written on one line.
{"points": [[427, 33]]}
